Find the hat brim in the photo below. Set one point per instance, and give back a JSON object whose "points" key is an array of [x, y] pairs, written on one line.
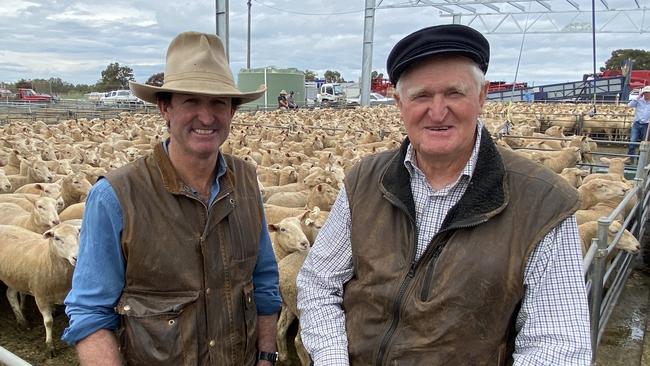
{"points": [[148, 92]]}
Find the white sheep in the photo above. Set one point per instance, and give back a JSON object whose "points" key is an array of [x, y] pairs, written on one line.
{"points": [[574, 176], [288, 268], [287, 237], [38, 265], [5, 184], [42, 217], [73, 212], [600, 190], [589, 230]]}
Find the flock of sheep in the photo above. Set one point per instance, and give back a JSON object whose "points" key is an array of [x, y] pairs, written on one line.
{"points": [[301, 158]]}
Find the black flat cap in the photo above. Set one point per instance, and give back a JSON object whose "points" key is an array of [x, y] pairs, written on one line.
{"points": [[452, 39]]}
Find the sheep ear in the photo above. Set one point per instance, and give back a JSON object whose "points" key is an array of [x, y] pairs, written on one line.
{"points": [[309, 221], [39, 187], [605, 160], [273, 227], [48, 234]]}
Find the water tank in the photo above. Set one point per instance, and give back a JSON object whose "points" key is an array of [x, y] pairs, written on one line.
{"points": [[276, 80]]}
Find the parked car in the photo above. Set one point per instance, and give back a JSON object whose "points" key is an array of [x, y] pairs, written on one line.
{"points": [[120, 98], [375, 99]]}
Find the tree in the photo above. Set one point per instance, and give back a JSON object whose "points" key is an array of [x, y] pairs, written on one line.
{"points": [[156, 79], [115, 77], [22, 83], [640, 58], [333, 77], [310, 75]]}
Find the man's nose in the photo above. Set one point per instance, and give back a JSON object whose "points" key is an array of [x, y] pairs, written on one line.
{"points": [[206, 114], [438, 108]]}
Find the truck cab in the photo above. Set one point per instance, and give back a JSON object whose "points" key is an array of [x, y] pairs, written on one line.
{"points": [[330, 94], [29, 95]]}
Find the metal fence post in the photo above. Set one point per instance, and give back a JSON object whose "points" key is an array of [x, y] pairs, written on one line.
{"points": [[597, 275]]}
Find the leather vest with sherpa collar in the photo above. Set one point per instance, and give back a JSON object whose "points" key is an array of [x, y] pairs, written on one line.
{"points": [[188, 292], [457, 304]]}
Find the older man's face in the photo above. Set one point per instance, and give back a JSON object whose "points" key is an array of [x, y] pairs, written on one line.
{"points": [[440, 101]]}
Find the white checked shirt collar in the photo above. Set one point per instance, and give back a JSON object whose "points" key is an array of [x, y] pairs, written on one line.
{"points": [[411, 165]]}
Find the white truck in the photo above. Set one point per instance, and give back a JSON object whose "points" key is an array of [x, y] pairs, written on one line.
{"points": [[330, 94], [120, 98]]}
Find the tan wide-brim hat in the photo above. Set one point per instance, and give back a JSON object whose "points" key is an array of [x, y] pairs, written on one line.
{"points": [[196, 64]]}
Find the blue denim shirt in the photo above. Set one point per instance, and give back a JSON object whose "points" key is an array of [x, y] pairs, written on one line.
{"points": [[642, 109], [98, 278]]}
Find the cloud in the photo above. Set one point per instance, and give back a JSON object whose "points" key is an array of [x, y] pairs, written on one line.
{"points": [[75, 40]]}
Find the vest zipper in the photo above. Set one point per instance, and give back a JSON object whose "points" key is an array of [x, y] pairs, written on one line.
{"points": [[397, 304], [396, 313]]}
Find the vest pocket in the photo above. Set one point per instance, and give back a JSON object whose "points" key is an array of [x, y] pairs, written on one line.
{"points": [[250, 315], [158, 328]]}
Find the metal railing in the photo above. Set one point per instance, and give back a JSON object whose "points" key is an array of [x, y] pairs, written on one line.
{"points": [[9, 359], [607, 268]]}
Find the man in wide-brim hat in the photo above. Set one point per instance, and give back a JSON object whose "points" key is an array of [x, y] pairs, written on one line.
{"points": [[175, 255]]}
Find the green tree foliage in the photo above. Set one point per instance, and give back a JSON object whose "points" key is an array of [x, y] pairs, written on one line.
{"points": [[22, 83], [115, 77], [640, 58], [156, 79], [333, 77], [310, 75]]}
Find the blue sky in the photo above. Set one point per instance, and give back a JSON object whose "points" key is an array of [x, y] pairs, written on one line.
{"points": [[75, 40]]}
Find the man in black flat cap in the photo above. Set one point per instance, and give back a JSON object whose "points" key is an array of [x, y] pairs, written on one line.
{"points": [[449, 250]]}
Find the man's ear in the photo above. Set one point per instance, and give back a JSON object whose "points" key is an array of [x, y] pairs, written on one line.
{"points": [[163, 106]]}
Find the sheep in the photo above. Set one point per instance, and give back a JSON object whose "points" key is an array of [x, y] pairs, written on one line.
{"points": [[322, 196], [52, 190], [42, 217], [566, 158], [574, 176], [288, 268], [275, 213], [5, 184], [615, 165], [595, 212], [26, 200], [38, 265], [289, 199], [312, 221], [287, 237], [599, 190], [74, 188], [589, 230], [72, 212], [37, 172]]}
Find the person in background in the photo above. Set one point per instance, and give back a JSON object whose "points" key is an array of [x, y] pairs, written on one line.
{"points": [[448, 250], [282, 100], [291, 103], [174, 251], [639, 127]]}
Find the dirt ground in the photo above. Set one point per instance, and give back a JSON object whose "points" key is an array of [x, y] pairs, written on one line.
{"points": [[29, 344]]}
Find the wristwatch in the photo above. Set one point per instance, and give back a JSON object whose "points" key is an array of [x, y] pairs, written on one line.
{"points": [[267, 356]]}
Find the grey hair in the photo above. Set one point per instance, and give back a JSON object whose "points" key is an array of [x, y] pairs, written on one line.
{"points": [[477, 75]]}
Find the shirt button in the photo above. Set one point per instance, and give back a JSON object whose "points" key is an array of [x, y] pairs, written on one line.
{"points": [[127, 307], [212, 343], [207, 291]]}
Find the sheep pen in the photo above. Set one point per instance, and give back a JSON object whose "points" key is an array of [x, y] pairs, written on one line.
{"points": [[300, 150]]}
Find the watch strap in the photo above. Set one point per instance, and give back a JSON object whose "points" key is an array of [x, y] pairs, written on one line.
{"points": [[267, 356]]}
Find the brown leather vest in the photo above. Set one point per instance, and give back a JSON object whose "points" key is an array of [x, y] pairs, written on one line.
{"points": [[188, 292], [458, 303]]}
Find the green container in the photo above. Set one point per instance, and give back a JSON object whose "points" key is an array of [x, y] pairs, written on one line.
{"points": [[276, 80]]}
